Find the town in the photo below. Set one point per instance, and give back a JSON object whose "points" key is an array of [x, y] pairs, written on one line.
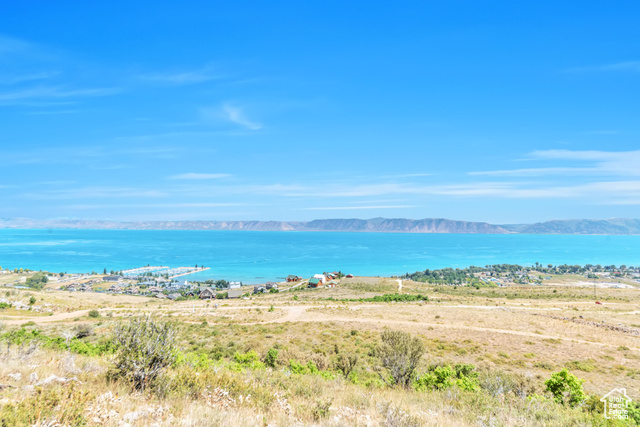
{"points": [[164, 282]]}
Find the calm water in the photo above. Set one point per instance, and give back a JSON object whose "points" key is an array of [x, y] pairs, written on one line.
{"points": [[259, 256]]}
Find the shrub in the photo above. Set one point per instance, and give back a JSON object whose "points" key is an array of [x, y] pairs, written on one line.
{"points": [[566, 388], [498, 383], [345, 364], [82, 331], [94, 314], [321, 409], [271, 357], [32, 300], [64, 405], [146, 347], [397, 298], [445, 376], [399, 353], [4, 305], [299, 368], [247, 358]]}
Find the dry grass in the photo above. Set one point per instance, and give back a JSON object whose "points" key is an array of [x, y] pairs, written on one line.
{"points": [[494, 329]]}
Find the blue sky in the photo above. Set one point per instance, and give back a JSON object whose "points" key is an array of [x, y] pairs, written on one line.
{"points": [[495, 111]]}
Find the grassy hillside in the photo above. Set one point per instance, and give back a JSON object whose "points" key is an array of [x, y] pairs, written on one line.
{"points": [[314, 357]]}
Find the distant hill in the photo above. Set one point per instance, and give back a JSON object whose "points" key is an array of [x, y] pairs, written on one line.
{"points": [[379, 225], [355, 225], [401, 225], [579, 226]]}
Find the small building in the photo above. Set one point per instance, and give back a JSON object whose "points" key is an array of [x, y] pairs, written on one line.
{"points": [[320, 277], [349, 276], [111, 278], [293, 278], [207, 293], [173, 297], [314, 283], [271, 285], [234, 285], [259, 289], [147, 283], [161, 296], [331, 284], [179, 284], [234, 293]]}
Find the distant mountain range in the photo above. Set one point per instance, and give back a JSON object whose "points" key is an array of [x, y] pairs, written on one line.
{"points": [[380, 225]]}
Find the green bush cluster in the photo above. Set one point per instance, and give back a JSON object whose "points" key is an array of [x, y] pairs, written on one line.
{"points": [[74, 345], [387, 298], [440, 377], [298, 368], [566, 388], [37, 281]]}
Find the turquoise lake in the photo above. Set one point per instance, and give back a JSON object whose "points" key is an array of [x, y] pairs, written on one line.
{"points": [[253, 257]]}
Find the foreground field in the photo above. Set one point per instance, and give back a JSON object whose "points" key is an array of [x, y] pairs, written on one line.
{"points": [[515, 337]]}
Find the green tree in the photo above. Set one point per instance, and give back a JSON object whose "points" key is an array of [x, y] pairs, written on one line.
{"points": [[566, 388], [37, 281]]}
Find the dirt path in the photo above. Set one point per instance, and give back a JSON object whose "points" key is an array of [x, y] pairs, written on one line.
{"points": [[47, 319], [294, 312], [301, 313]]}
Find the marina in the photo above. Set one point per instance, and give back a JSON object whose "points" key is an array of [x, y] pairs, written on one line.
{"points": [[162, 271]]}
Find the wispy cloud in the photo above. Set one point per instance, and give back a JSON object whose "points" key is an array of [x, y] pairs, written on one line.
{"points": [[349, 208], [8, 44], [536, 172], [183, 77], [51, 112], [17, 79], [408, 175], [612, 163], [237, 115], [199, 176], [94, 193], [156, 205], [45, 92], [624, 66]]}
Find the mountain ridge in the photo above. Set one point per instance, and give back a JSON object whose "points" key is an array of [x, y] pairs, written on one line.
{"points": [[613, 226]]}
